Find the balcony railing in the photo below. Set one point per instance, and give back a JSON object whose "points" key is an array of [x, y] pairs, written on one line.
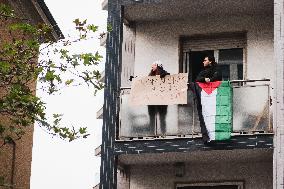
{"points": [[100, 113], [105, 5], [98, 150], [103, 39], [251, 114]]}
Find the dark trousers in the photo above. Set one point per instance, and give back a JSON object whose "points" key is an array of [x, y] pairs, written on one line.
{"points": [[160, 110]]}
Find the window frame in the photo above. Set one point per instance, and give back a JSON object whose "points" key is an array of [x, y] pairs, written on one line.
{"points": [[215, 48], [231, 66]]}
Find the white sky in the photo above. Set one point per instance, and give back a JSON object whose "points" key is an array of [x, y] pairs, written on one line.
{"points": [[59, 164]]}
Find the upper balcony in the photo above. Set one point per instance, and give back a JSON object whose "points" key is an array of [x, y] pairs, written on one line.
{"points": [[103, 38], [100, 113], [105, 5], [179, 34]]}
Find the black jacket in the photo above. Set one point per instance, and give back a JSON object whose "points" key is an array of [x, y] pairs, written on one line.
{"points": [[209, 72]]}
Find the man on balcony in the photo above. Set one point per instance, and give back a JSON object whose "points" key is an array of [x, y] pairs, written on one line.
{"points": [[214, 102], [210, 73]]}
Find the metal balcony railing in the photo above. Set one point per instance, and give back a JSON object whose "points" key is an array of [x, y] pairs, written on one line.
{"points": [[105, 5], [103, 39], [97, 186], [100, 113], [251, 114], [98, 150]]}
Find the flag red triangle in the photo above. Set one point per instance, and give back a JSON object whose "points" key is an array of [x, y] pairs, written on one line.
{"points": [[209, 87]]}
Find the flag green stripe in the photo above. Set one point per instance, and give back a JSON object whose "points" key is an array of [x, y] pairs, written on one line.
{"points": [[223, 120]]}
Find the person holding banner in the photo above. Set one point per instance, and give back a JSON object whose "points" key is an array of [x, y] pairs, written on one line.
{"points": [[157, 69], [161, 110]]}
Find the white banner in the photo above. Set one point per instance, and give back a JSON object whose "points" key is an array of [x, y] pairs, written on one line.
{"points": [[153, 90]]}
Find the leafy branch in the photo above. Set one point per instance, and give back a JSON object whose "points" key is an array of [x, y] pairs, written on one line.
{"points": [[20, 69]]}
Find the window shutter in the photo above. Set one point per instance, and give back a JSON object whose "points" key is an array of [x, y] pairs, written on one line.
{"points": [[213, 42]]}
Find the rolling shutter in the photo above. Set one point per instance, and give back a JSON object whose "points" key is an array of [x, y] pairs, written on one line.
{"points": [[213, 42]]}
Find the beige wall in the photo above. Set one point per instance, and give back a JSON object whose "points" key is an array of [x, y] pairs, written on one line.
{"points": [[160, 40], [255, 175]]}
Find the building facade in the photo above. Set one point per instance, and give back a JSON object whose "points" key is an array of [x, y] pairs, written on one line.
{"points": [[16, 157], [246, 39]]}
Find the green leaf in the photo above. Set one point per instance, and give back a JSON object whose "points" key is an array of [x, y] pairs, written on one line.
{"points": [[76, 21], [98, 57], [92, 27], [5, 67], [33, 44], [82, 130], [25, 27], [65, 129], [69, 81], [64, 53], [57, 115], [109, 27], [38, 71], [49, 76], [6, 10], [86, 59], [56, 129]]}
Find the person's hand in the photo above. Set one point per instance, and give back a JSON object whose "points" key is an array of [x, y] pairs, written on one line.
{"points": [[207, 80]]}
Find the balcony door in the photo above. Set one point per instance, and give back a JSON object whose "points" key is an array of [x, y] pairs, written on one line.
{"points": [[228, 50], [194, 64]]}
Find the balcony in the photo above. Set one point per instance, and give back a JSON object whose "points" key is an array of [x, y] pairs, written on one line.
{"points": [[105, 5], [100, 113], [103, 38], [97, 186], [102, 78], [174, 34], [251, 115], [98, 151]]}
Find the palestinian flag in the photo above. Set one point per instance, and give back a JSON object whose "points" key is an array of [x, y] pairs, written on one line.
{"points": [[214, 104]]}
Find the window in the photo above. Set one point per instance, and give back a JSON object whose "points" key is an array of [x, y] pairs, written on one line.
{"points": [[230, 63], [228, 50]]}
